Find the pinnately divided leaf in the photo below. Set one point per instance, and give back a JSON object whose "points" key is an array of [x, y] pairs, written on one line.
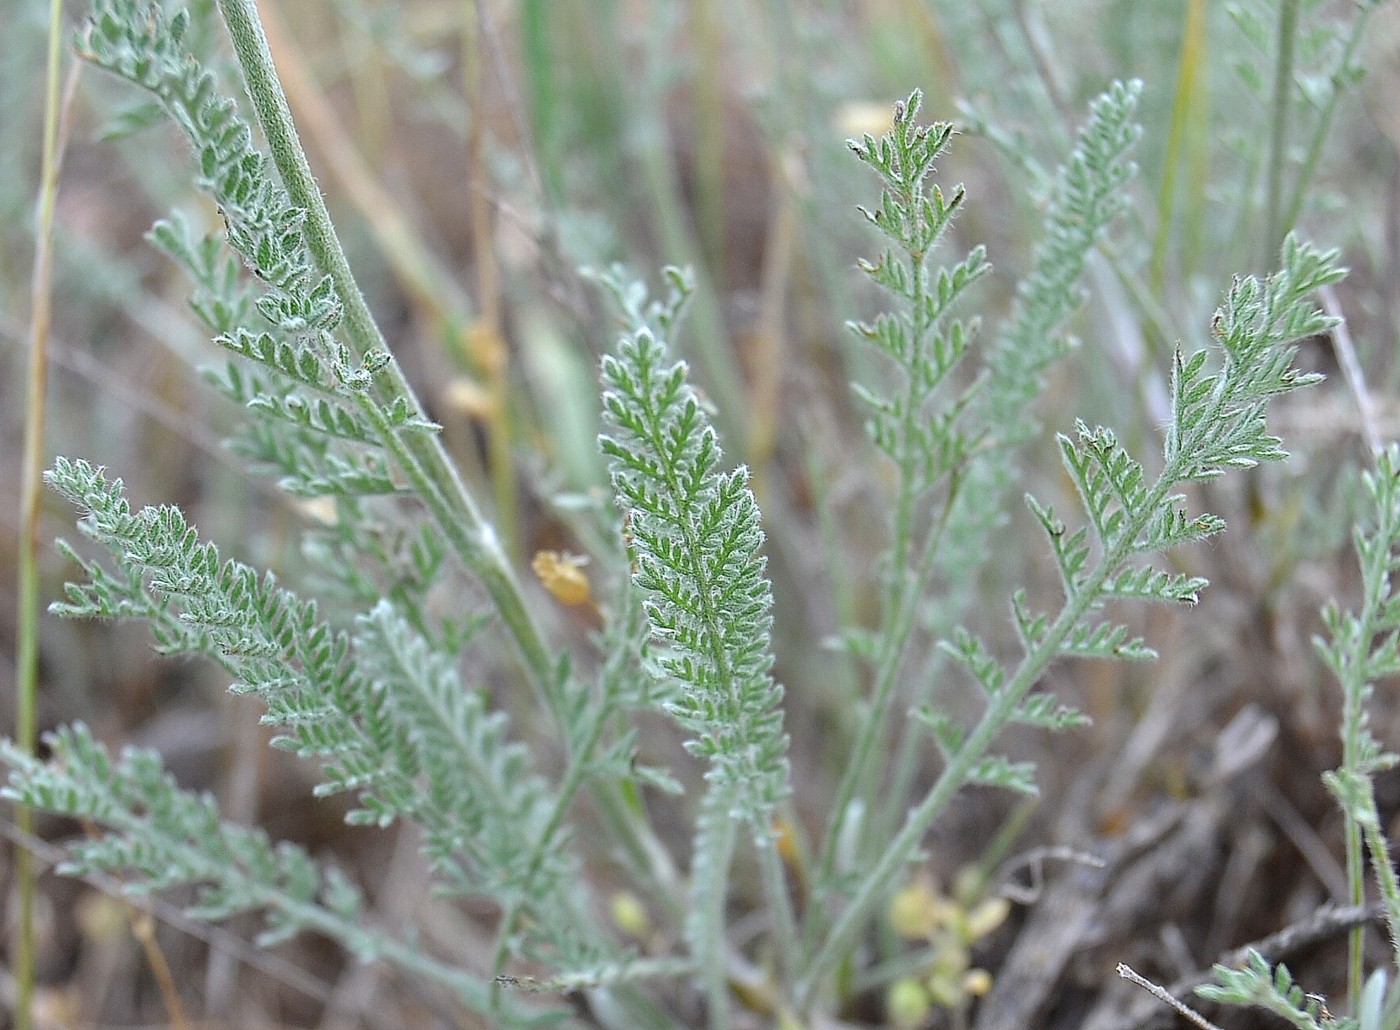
{"points": [[1217, 423], [1269, 988], [696, 541], [161, 836], [385, 714]]}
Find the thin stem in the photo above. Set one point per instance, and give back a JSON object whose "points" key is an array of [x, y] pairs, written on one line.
{"points": [[1183, 103], [1356, 894], [412, 958], [1274, 227], [784, 929], [1384, 869], [876, 885], [1161, 994], [905, 764], [579, 761], [903, 586], [709, 889], [143, 929], [1324, 117], [429, 286], [31, 489], [425, 461], [1352, 674], [421, 456]]}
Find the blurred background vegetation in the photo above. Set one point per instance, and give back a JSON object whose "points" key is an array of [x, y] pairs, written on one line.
{"points": [[478, 154]]}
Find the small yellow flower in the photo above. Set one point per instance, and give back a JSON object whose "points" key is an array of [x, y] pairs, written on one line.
{"points": [[563, 575], [629, 914], [977, 982]]}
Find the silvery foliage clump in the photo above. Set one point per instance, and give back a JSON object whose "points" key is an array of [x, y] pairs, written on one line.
{"points": [[1361, 648], [693, 534], [366, 680], [1219, 399], [955, 447]]}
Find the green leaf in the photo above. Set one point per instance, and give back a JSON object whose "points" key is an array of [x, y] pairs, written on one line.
{"points": [[696, 541]]}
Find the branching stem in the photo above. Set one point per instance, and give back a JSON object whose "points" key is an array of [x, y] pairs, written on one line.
{"points": [[875, 886]]}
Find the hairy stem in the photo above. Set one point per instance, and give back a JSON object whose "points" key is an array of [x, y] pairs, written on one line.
{"points": [[425, 460], [421, 456], [714, 851]]}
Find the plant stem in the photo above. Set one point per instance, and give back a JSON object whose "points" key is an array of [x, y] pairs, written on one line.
{"points": [[1384, 869], [421, 456], [1356, 888], [1274, 227], [714, 851], [1324, 116], [31, 488], [914, 737], [902, 584], [784, 930], [471, 537], [1376, 562], [876, 885], [1183, 102]]}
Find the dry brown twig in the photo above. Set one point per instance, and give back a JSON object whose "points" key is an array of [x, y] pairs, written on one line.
{"points": [[1162, 995]]}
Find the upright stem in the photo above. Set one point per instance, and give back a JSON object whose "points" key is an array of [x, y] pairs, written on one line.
{"points": [[1274, 229], [876, 884], [31, 487], [709, 888], [421, 456], [1324, 116], [471, 537], [903, 583], [775, 886]]}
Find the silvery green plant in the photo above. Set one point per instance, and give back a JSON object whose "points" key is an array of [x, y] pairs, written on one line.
{"points": [[366, 680], [978, 432], [695, 537], [1361, 648]]}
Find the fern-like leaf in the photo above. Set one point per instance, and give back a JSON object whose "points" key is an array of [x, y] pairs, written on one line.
{"points": [[696, 541]]}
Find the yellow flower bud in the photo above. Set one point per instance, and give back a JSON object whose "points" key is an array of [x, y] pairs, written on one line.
{"points": [[563, 576], [915, 910], [629, 914], [977, 982], [906, 1003], [986, 917]]}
